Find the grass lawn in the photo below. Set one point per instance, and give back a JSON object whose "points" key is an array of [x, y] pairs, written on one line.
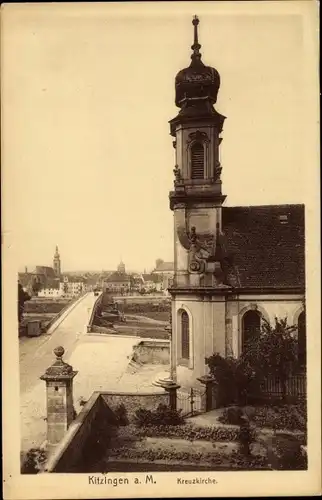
{"points": [[157, 315]]}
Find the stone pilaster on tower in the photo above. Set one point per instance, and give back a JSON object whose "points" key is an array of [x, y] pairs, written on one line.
{"points": [[59, 392]]}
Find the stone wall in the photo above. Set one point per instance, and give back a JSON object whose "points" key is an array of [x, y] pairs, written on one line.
{"points": [[134, 401], [149, 352], [69, 452], [95, 307]]}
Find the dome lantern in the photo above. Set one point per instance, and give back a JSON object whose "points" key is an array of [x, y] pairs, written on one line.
{"points": [[197, 82]]}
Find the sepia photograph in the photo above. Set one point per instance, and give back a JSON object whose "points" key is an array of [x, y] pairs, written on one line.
{"points": [[160, 199]]}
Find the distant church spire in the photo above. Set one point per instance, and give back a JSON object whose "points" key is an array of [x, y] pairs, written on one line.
{"points": [[57, 263], [121, 267]]}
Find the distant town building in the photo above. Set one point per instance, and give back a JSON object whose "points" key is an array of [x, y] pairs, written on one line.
{"points": [[72, 286], [152, 282], [165, 270], [42, 277], [50, 292], [118, 281]]}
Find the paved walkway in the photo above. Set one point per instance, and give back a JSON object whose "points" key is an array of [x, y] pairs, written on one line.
{"points": [[36, 355], [101, 361]]}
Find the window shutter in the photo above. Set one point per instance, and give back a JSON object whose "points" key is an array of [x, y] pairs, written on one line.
{"points": [[197, 161]]}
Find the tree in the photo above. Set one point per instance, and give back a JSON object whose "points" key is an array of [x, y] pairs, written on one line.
{"points": [[158, 262], [273, 352], [36, 286], [22, 298], [65, 288]]}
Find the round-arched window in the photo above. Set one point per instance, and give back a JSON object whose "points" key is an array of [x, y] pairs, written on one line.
{"points": [[250, 327], [185, 335]]}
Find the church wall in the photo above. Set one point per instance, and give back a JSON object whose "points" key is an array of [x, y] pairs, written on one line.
{"points": [[269, 306], [216, 327], [207, 319]]}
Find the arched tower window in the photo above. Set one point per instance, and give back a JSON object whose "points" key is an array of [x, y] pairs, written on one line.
{"points": [[197, 161], [250, 327], [185, 335], [301, 335]]}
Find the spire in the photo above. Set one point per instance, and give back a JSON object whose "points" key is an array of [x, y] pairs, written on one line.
{"points": [[195, 56], [56, 251]]}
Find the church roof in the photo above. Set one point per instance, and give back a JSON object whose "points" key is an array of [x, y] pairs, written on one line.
{"points": [[46, 270], [156, 278], [266, 245], [164, 267]]}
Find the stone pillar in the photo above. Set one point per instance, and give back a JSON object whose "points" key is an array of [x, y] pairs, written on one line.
{"points": [[171, 387], [209, 398], [60, 408]]}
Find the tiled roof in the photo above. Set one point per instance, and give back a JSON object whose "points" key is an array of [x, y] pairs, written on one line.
{"points": [[266, 245], [165, 267], [25, 278], [117, 277], [46, 270], [73, 279], [156, 278]]}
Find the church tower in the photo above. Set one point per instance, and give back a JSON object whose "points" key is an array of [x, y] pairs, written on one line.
{"points": [[199, 287], [121, 268], [56, 263]]}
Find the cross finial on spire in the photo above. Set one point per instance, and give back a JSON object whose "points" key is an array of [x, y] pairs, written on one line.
{"points": [[196, 46]]}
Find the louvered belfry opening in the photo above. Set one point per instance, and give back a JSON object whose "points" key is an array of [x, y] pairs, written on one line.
{"points": [[197, 161], [185, 335]]}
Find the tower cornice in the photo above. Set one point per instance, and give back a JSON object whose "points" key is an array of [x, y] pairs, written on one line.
{"points": [[192, 199]]}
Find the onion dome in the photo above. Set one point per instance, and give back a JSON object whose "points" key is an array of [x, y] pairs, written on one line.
{"points": [[197, 81]]}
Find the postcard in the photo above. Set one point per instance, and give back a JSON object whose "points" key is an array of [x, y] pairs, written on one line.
{"points": [[161, 305]]}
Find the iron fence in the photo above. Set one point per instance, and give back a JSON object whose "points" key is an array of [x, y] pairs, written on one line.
{"points": [[295, 388], [190, 402]]}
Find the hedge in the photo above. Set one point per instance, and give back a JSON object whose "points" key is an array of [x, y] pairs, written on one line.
{"points": [[189, 432], [215, 458]]}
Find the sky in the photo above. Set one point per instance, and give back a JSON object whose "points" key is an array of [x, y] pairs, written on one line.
{"points": [[88, 91]]}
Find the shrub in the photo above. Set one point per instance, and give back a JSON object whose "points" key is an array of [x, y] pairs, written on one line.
{"points": [[235, 379], [34, 460], [189, 432], [121, 415], [232, 415], [285, 453], [246, 437], [163, 415], [216, 458], [292, 417]]}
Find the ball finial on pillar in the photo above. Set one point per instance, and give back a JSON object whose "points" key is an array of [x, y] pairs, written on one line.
{"points": [[59, 352]]}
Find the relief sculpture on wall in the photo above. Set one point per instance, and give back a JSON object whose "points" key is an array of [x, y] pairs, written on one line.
{"points": [[199, 246]]}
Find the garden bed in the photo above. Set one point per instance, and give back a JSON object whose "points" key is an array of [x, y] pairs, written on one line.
{"points": [[130, 447], [277, 417], [51, 306]]}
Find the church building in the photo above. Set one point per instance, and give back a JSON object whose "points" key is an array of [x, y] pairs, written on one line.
{"points": [[233, 266]]}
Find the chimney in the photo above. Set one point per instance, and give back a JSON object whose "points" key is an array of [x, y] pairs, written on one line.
{"points": [[26, 269]]}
